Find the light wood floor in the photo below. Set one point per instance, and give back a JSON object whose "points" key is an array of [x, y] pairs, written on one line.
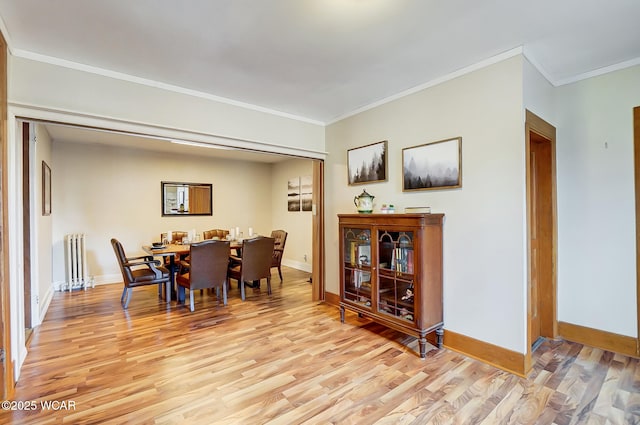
{"points": [[283, 359]]}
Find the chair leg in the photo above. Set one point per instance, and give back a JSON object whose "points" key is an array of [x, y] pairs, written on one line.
{"points": [[269, 285], [167, 287], [280, 273], [191, 299], [241, 288], [126, 303], [224, 293], [124, 292]]}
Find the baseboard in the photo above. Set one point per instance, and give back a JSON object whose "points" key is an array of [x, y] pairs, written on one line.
{"points": [[500, 357], [107, 279], [298, 265], [44, 304], [331, 298], [609, 341], [104, 279]]}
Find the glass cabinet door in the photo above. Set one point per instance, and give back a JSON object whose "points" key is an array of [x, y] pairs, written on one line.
{"points": [[396, 274], [357, 266]]}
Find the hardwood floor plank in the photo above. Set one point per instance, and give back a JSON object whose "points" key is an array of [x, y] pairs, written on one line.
{"points": [[285, 359]]}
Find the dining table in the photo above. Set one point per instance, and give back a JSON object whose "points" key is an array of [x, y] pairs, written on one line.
{"points": [[173, 250]]}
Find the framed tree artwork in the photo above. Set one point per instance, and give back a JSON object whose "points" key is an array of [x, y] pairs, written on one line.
{"points": [[436, 165], [300, 193], [293, 194], [367, 164], [306, 193]]}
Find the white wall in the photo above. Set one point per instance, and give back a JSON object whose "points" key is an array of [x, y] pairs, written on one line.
{"points": [[484, 233], [41, 230], [55, 87], [539, 94], [109, 192], [297, 224], [596, 202]]}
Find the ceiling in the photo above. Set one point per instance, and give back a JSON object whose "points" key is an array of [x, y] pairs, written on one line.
{"points": [[321, 60], [72, 134]]}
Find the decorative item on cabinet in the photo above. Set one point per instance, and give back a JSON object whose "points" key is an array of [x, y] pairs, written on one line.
{"points": [[364, 202]]}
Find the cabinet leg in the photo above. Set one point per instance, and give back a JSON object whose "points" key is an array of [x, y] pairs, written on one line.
{"points": [[341, 314], [423, 347], [439, 336]]}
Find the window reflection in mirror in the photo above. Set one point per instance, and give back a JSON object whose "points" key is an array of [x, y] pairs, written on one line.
{"points": [[186, 198]]}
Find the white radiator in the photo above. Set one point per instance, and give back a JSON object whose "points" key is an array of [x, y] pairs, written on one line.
{"points": [[76, 256]]}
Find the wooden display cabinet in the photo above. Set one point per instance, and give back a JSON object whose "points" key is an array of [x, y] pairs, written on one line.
{"points": [[391, 272]]}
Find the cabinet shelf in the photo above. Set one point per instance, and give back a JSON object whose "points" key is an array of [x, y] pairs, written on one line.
{"points": [[396, 275], [399, 302], [387, 257]]}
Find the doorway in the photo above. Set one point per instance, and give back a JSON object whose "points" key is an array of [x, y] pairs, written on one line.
{"points": [[26, 227], [542, 229], [88, 132], [6, 360]]}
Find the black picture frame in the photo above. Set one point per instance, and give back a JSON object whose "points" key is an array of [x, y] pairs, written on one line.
{"points": [[179, 199]]}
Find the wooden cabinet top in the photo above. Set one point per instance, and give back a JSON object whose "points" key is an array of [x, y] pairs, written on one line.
{"points": [[393, 219]]}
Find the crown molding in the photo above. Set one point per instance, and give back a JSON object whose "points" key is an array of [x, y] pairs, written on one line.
{"points": [[5, 34], [520, 50], [455, 74], [534, 62], [599, 71], [25, 54]]}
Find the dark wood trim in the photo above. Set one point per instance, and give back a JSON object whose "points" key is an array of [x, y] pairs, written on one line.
{"points": [[331, 298], [636, 174], [26, 222], [597, 338], [7, 384], [500, 357], [548, 313], [318, 270]]}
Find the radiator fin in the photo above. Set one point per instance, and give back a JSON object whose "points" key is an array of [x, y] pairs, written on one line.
{"points": [[76, 257]]}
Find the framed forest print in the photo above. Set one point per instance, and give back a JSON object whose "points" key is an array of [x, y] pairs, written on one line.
{"points": [[436, 165], [367, 164]]}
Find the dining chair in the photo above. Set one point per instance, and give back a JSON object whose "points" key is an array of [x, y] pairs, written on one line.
{"points": [[255, 263], [207, 268], [176, 235], [218, 233], [140, 271], [280, 237]]}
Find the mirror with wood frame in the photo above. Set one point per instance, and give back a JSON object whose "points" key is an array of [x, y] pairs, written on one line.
{"points": [[186, 198]]}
